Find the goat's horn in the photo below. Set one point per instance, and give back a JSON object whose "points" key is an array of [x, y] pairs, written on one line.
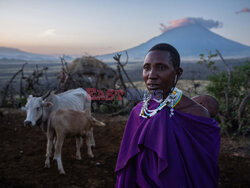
{"points": [[46, 95]]}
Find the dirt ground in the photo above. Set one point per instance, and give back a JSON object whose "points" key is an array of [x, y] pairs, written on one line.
{"points": [[22, 156]]}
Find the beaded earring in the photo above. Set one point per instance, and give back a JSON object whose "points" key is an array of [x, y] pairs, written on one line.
{"points": [[171, 97]]}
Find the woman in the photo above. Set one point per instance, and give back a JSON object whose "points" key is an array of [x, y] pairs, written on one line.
{"points": [[169, 142]]}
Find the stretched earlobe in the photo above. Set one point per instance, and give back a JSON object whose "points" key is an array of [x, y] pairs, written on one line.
{"points": [[176, 78], [179, 72]]}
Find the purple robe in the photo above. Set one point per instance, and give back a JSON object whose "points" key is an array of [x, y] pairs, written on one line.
{"points": [[177, 152]]}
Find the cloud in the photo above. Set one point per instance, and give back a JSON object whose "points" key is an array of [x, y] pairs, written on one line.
{"points": [[48, 33], [209, 24], [244, 10]]}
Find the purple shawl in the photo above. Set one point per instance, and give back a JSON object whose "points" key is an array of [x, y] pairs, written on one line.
{"points": [[176, 152]]}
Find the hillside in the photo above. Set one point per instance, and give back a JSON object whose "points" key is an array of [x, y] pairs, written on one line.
{"points": [[17, 54]]}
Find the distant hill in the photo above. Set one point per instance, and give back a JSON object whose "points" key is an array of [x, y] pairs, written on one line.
{"points": [[190, 40], [16, 54], [191, 70]]}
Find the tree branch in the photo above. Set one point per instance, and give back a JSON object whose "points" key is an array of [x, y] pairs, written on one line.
{"points": [[228, 81]]}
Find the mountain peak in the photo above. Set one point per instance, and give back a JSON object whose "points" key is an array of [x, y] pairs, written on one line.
{"points": [[190, 40]]}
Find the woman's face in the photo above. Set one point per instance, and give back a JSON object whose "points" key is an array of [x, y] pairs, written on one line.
{"points": [[159, 72]]}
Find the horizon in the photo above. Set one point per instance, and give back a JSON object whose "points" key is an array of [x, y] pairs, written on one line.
{"points": [[96, 28]]}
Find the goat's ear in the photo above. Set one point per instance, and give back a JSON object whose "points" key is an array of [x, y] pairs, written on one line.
{"points": [[48, 104], [87, 111], [29, 97]]}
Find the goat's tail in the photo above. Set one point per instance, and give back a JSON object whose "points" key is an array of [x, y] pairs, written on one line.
{"points": [[96, 122], [93, 120]]}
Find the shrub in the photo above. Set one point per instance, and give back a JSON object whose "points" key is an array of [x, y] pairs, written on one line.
{"points": [[237, 91]]}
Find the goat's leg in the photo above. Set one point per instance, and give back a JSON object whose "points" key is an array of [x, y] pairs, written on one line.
{"points": [[89, 144], [58, 153], [78, 147], [92, 137], [50, 137]]}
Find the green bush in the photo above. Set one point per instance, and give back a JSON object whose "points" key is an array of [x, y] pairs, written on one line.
{"points": [[238, 89], [21, 101]]}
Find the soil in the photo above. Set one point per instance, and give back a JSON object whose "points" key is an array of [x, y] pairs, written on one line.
{"points": [[22, 156]]}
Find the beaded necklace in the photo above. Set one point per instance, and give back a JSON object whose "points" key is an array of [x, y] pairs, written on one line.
{"points": [[173, 98]]}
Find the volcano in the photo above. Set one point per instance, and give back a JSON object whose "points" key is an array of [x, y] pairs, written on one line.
{"points": [[191, 41]]}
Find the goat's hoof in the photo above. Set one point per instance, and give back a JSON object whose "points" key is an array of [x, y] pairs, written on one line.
{"points": [[78, 158], [91, 156], [62, 172]]}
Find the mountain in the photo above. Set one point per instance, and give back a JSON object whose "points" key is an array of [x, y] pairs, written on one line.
{"points": [[190, 40], [14, 53]]}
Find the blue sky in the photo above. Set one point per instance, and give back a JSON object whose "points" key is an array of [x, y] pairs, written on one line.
{"points": [[103, 26]]}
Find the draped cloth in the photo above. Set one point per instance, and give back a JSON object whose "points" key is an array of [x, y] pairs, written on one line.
{"points": [[173, 152]]}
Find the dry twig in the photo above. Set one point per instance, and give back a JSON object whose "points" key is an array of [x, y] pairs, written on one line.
{"points": [[228, 80]]}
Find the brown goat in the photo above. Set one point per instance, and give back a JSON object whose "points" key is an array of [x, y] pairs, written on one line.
{"points": [[67, 122]]}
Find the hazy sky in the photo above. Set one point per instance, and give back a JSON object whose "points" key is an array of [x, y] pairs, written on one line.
{"points": [[104, 26]]}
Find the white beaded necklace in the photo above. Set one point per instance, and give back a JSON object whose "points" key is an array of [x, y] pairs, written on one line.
{"points": [[173, 98]]}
